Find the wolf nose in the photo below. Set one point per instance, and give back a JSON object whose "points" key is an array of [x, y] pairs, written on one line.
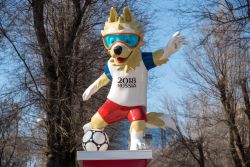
{"points": [[118, 50]]}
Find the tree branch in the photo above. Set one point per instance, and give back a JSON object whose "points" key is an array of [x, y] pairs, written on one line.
{"points": [[22, 59]]}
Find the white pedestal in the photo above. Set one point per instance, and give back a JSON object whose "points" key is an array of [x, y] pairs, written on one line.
{"points": [[114, 158]]}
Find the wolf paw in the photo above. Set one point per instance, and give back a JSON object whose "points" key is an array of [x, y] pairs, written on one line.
{"points": [[87, 127], [137, 145]]}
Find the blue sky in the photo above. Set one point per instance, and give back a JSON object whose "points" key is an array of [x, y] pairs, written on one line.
{"points": [[167, 82]]}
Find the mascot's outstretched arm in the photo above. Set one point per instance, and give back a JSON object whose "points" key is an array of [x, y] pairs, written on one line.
{"points": [[94, 87], [175, 43]]}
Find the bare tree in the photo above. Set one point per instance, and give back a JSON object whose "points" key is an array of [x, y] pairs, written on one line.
{"points": [[216, 72], [201, 139], [14, 150], [219, 63]]}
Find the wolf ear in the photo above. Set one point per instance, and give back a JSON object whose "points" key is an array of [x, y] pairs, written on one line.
{"points": [[127, 14], [112, 15]]}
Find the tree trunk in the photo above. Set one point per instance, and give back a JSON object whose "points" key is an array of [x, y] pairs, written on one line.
{"points": [[201, 157], [236, 159], [227, 100], [51, 102], [57, 71], [245, 92]]}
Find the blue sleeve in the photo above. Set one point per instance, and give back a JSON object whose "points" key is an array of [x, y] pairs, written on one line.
{"points": [[148, 61], [107, 72]]}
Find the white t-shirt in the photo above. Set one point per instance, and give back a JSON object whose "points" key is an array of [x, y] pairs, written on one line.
{"points": [[130, 88]]}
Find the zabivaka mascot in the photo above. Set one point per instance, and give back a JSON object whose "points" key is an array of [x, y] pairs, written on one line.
{"points": [[127, 70]]}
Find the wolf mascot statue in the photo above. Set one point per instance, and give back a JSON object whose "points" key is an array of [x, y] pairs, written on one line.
{"points": [[127, 69]]}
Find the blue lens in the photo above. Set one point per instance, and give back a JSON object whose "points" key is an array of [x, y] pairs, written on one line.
{"points": [[130, 39]]}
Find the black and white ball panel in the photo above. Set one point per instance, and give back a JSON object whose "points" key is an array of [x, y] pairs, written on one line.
{"points": [[95, 140]]}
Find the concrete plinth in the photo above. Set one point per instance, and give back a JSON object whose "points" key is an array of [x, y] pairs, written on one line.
{"points": [[114, 158]]}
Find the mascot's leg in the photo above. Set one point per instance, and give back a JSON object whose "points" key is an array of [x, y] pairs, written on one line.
{"points": [[137, 116], [96, 123], [137, 130]]}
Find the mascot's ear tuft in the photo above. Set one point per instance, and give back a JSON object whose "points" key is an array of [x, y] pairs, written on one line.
{"points": [[127, 14], [102, 32], [112, 15]]}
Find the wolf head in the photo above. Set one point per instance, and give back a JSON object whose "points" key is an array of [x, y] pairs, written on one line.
{"points": [[122, 37]]}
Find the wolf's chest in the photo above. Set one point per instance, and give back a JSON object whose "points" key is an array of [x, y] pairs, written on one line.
{"points": [[129, 88], [132, 79]]}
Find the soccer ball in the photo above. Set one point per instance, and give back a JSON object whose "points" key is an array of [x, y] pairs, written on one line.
{"points": [[95, 140]]}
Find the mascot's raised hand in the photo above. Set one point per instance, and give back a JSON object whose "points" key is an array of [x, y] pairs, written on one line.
{"points": [[174, 44], [127, 70], [88, 93]]}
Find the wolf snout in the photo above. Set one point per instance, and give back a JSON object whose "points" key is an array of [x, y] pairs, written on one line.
{"points": [[118, 50]]}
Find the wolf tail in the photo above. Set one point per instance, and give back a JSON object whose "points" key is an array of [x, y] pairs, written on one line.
{"points": [[160, 120]]}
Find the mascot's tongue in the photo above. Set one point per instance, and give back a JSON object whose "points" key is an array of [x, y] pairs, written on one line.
{"points": [[120, 60]]}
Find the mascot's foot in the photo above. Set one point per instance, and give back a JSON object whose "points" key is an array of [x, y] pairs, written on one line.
{"points": [[87, 127], [137, 145], [137, 141]]}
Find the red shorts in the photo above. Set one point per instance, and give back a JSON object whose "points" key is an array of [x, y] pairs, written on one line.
{"points": [[112, 112]]}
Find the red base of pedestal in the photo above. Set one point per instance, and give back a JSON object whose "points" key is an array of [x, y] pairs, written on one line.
{"points": [[115, 163]]}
